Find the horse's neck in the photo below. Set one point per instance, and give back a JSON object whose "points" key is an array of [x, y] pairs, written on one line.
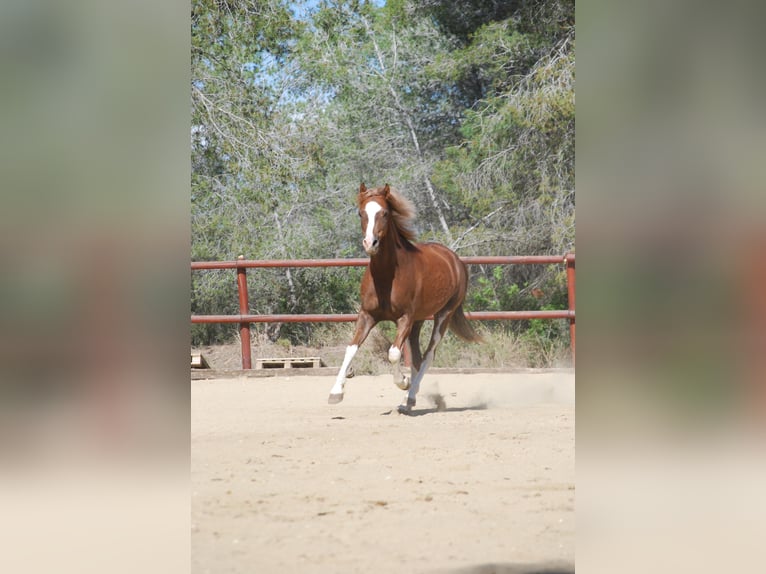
{"points": [[383, 264]]}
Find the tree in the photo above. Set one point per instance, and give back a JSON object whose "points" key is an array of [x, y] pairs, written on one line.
{"points": [[393, 115], [467, 107], [511, 174]]}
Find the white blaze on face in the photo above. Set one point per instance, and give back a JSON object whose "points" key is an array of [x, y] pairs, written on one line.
{"points": [[372, 208]]}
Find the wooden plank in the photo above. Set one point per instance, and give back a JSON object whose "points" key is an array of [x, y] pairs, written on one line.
{"points": [[207, 374], [199, 375], [289, 363], [198, 361]]}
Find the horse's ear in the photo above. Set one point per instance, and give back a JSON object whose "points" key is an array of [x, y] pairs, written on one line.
{"points": [[386, 191], [362, 189]]}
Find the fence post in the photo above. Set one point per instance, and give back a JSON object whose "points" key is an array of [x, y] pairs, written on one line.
{"points": [[570, 260], [244, 309]]}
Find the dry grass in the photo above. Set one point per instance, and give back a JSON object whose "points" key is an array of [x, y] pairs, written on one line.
{"points": [[499, 350]]}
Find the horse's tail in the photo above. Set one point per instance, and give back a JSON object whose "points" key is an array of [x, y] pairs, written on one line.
{"points": [[462, 328]]}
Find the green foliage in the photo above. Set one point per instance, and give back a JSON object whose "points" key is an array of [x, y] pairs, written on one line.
{"points": [[213, 293], [487, 296], [507, 289], [466, 107]]}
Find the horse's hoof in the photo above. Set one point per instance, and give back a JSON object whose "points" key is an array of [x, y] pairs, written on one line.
{"points": [[404, 383], [334, 399], [407, 408]]}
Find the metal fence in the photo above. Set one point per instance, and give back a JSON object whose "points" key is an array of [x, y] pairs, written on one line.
{"points": [[244, 318]]}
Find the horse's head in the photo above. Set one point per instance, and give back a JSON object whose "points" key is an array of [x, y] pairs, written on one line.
{"points": [[375, 213]]}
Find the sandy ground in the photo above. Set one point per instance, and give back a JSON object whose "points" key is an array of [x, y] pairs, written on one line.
{"points": [[283, 482]]}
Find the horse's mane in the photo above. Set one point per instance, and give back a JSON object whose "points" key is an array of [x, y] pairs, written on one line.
{"points": [[402, 210]]}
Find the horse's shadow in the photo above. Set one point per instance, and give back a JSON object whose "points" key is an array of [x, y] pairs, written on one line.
{"points": [[436, 410]]}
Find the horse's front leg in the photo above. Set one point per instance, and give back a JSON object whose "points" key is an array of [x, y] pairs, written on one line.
{"points": [[403, 329], [364, 325]]}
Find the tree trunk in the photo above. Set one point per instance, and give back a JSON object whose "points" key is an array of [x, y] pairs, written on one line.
{"points": [[407, 118], [290, 284]]}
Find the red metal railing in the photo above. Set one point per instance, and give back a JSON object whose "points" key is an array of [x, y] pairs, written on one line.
{"points": [[245, 318]]}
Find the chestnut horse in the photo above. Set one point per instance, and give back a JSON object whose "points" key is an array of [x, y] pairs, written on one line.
{"points": [[405, 283]]}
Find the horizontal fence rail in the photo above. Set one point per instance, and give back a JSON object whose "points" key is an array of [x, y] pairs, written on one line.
{"points": [[244, 318], [364, 261], [350, 317]]}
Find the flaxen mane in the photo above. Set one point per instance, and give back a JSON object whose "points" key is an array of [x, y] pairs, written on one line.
{"points": [[402, 210]]}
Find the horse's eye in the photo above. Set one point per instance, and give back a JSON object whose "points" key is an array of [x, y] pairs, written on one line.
{"points": [[359, 212], [384, 212]]}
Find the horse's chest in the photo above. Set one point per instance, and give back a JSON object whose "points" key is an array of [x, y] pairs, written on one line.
{"points": [[387, 297]]}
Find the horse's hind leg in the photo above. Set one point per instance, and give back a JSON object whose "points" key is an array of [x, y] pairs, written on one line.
{"points": [[413, 340], [364, 325], [404, 327], [441, 322]]}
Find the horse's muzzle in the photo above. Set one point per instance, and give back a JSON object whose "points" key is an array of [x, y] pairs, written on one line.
{"points": [[371, 247]]}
